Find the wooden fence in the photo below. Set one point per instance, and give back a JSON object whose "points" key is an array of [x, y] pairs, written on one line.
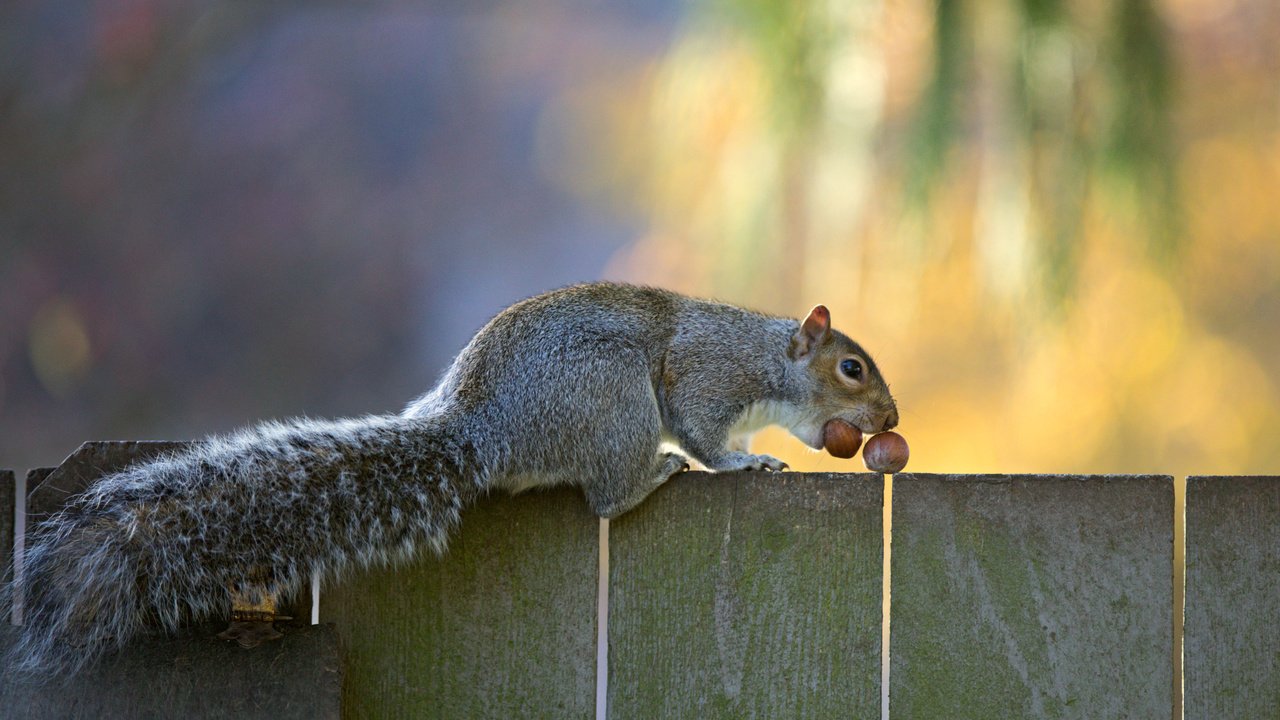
{"points": [[763, 596]]}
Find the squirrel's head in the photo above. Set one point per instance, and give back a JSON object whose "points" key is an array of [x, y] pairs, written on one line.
{"points": [[844, 381]]}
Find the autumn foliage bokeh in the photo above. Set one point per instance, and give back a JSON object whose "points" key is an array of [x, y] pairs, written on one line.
{"points": [[1084, 277], [1054, 224]]}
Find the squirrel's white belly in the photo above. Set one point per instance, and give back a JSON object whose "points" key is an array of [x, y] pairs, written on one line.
{"points": [[763, 413], [519, 482]]}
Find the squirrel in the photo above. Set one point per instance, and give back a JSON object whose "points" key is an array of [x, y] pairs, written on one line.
{"points": [[577, 386]]}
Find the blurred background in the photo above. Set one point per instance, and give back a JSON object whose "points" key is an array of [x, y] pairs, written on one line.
{"points": [[1056, 225]]}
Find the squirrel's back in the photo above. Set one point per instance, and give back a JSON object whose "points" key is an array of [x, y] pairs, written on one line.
{"points": [[507, 353]]}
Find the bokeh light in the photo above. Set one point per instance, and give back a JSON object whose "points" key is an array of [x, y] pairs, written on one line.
{"points": [[1054, 224]]}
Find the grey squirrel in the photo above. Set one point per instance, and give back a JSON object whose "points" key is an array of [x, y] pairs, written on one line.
{"points": [[578, 386]]}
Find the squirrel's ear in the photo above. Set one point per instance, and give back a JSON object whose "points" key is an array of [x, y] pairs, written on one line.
{"points": [[811, 332]]}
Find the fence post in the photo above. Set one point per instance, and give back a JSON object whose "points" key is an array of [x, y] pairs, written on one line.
{"points": [[1031, 597], [748, 595], [191, 674], [1232, 637], [503, 626], [8, 501]]}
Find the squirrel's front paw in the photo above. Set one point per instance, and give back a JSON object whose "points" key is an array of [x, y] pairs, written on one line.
{"points": [[671, 464], [746, 461]]}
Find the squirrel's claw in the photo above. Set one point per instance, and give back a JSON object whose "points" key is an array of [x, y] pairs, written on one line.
{"points": [[743, 461]]}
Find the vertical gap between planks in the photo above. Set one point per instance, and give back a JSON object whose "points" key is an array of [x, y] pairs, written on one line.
{"points": [[887, 544], [602, 623], [315, 597], [19, 545], [1179, 591]]}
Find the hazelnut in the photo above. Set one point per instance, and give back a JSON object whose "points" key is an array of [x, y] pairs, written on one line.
{"points": [[885, 452], [841, 439]]}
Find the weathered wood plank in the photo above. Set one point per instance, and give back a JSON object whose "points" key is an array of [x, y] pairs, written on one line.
{"points": [[34, 477], [85, 466], [8, 498], [1232, 637], [1031, 597], [191, 675], [502, 627], [748, 595]]}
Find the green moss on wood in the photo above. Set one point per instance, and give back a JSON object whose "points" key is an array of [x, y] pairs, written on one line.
{"points": [[1030, 597], [748, 596]]}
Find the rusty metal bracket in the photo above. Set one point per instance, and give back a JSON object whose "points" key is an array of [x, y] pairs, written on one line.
{"points": [[253, 616]]}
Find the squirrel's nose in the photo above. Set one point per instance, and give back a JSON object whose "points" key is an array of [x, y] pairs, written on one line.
{"points": [[890, 420]]}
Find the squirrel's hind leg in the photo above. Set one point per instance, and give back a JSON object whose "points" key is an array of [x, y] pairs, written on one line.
{"points": [[611, 499]]}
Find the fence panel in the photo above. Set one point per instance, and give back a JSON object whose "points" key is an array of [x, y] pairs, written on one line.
{"points": [[748, 595], [1232, 637], [8, 497], [84, 467], [191, 674], [502, 627], [1031, 597]]}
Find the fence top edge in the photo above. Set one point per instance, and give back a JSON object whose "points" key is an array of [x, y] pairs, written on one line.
{"points": [[1219, 478], [863, 476], [38, 474], [999, 478]]}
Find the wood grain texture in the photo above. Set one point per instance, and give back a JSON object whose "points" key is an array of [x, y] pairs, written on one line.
{"points": [[8, 497], [191, 675], [85, 466], [748, 595], [34, 477], [1031, 597], [1232, 637], [502, 627]]}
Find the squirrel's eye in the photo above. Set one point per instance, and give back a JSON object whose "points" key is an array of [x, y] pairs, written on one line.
{"points": [[851, 368]]}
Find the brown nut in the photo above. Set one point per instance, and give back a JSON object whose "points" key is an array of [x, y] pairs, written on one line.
{"points": [[886, 452], [841, 439]]}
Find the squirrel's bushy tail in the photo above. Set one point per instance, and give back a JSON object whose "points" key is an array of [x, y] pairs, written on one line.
{"points": [[163, 542]]}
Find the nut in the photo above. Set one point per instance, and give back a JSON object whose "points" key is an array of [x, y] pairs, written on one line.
{"points": [[886, 452], [841, 439]]}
